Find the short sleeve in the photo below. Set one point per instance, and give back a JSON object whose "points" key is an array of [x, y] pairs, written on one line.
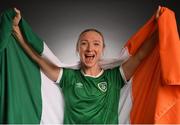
{"points": [[65, 77], [116, 77], [123, 75], [59, 76]]}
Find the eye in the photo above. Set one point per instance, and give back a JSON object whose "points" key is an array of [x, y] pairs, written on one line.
{"points": [[83, 43], [96, 44]]}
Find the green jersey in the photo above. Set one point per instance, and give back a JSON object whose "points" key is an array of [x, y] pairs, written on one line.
{"points": [[91, 100]]}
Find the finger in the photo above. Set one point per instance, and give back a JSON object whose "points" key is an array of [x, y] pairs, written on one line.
{"points": [[17, 11], [158, 12], [159, 9]]}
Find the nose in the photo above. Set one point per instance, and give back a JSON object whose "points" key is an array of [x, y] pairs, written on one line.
{"points": [[89, 47]]}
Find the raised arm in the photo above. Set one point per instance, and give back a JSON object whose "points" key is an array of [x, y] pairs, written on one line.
{"points": [[130, 66], [50, 69]]}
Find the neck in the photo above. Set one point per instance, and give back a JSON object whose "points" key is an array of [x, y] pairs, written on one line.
{"points": [[93, 71]]}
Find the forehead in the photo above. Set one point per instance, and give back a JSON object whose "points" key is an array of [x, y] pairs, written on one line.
{"points": [[91, 36]]}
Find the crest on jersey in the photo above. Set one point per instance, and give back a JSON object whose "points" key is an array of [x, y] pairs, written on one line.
{"points": [[102, 86]]}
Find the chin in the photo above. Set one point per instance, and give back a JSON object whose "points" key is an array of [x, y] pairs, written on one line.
{"points": [[89, 65]]}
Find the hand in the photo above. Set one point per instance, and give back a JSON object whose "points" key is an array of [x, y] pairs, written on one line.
{"points": [[15, 26], [17, 18], [158, 12]]}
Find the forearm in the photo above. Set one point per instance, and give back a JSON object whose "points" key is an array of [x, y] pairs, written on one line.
{"points": [[47, 67], [147, 46], [28, 49], [133, 62]]}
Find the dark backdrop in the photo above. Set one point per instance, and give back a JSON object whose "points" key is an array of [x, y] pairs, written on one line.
{"points": [[59, 22]]}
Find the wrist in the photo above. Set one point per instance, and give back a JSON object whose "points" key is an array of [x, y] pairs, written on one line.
{"points": [[17, 32], [16, 28]]}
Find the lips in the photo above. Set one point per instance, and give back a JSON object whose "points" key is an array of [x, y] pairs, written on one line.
{"points": [[89, 57]]}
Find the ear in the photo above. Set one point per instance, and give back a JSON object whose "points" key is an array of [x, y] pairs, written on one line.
{"points": [[77, 51], [103, 50], [77, 47]]}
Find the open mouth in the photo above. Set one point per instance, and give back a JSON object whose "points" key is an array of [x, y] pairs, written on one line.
{"points": [[89, 57]]}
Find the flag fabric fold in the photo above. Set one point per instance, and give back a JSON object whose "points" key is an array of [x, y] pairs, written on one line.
{"points": [[20, 88], [155, 85], [151, 96]]}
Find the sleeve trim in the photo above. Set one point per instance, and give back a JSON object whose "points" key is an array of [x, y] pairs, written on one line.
{"points": [[59, 76], [123, 76]]}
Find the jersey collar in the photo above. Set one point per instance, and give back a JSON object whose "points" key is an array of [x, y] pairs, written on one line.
{"points": [[102, 71]]}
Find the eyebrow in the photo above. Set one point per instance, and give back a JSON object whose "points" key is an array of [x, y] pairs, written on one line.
{"points": [[96, 41], [83, 40]]}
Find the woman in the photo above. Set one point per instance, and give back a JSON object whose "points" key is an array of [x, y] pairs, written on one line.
{"points": [[91, 94]]}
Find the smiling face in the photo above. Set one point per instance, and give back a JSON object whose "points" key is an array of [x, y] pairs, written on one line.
{"points": [[90, 48]]}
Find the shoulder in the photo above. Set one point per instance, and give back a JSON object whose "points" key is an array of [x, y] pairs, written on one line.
{"points": [[117, 73], [66, 74], [113, 70], [69, 72]]}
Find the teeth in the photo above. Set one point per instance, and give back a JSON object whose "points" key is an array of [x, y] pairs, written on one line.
{"points": [[89, 55], [89, 58]]}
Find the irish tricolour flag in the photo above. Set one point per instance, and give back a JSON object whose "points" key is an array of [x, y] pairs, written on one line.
{"points": [[151, 96]]}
